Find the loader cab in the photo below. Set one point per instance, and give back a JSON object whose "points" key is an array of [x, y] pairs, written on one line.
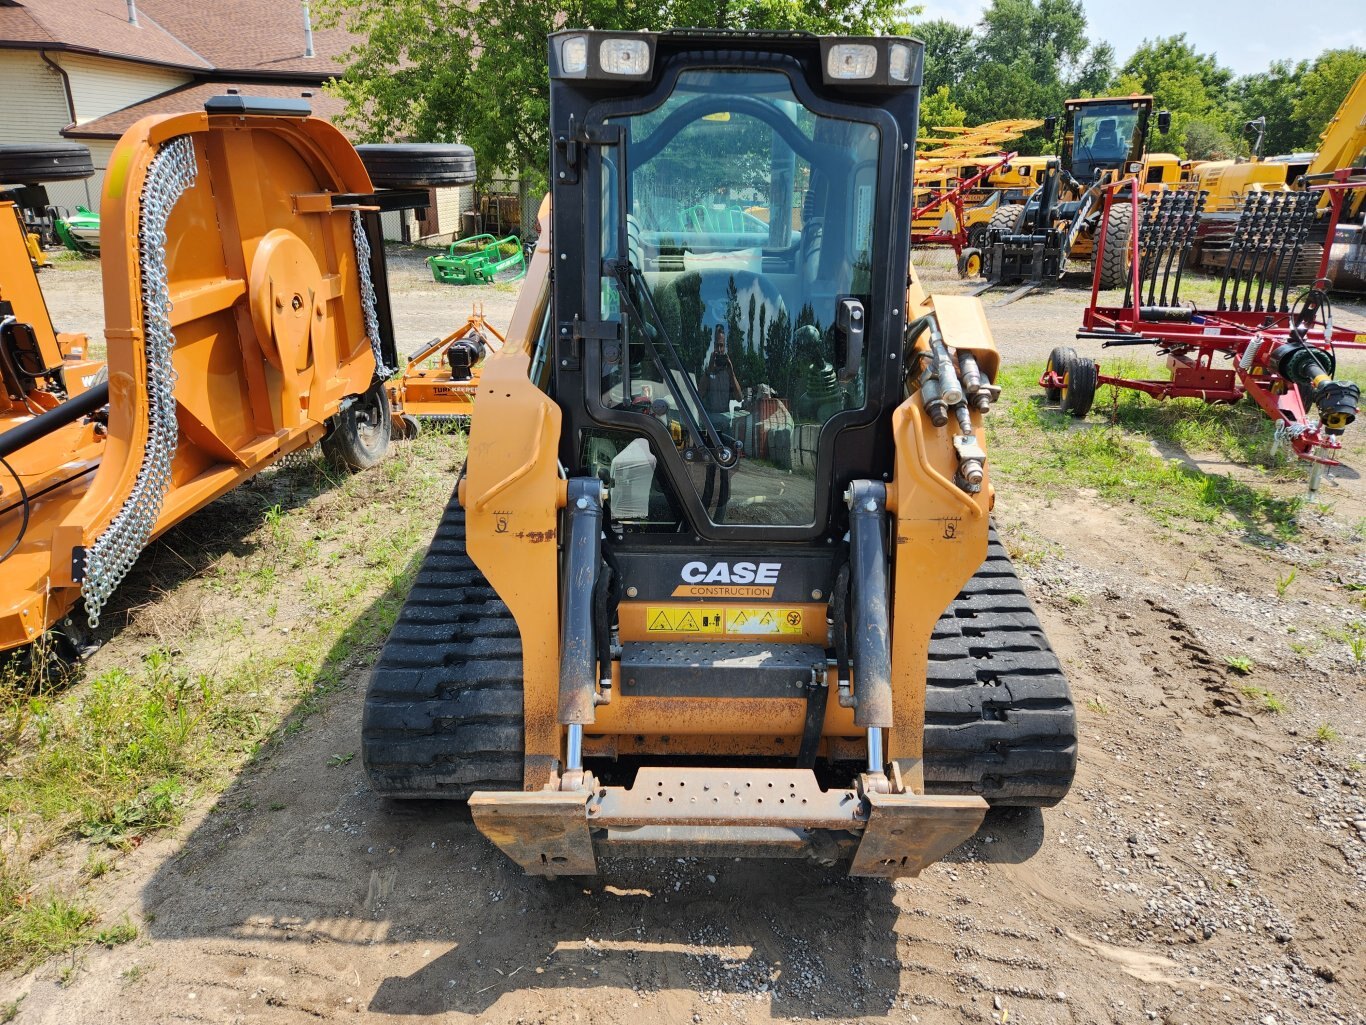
{"points": [[1104, 135], [731, 245]]}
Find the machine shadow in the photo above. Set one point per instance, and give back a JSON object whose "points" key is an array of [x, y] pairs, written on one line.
{"points": [[223, 527], [300, 852]]}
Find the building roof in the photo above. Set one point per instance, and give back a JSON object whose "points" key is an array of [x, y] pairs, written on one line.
{"points": [[245, 37], [191, 97]]}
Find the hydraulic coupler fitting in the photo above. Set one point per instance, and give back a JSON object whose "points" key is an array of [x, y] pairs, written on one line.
{"points": [[981, 393], [932, 396], [971, 462]]}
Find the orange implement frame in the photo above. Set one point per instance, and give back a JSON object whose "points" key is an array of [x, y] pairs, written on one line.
{"points": [[430, 387], [270, 341]]}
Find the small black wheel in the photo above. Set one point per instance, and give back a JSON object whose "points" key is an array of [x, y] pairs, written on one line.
{"points": [[1079, 388], [1060, 360], [406, 427], [402, 165], [35, 163], [970, 263], [360, 433]]}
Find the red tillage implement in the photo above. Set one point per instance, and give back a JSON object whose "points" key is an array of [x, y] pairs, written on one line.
{"points": [[1258, 341]]}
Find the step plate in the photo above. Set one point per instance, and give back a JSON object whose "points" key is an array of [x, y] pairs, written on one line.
{"points": [[738, 669], [763, 813]]}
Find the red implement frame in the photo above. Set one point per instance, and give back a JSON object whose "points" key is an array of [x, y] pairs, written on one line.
{"points": [[1191, 345], [953, 198]]}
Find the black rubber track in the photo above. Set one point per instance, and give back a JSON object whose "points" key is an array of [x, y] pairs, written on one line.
{"points": [[443, 715], [999, 719], [400, 165], [38, 162]]}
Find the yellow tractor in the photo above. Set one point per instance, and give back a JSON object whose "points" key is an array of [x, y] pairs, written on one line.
{"points": [[1104, 142], [1232, 184], [719, 575]]}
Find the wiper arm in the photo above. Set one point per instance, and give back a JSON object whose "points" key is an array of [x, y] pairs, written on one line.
{"points": [[706, 434]]}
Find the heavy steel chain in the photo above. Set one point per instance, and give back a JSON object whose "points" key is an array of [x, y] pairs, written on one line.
{"points": [[367, 293], [171, 172]]}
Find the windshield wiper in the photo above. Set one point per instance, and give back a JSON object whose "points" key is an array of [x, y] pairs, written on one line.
{"points": [[629, 276]]}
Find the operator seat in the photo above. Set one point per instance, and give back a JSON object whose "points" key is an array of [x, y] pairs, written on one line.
{"points": [[1106, 144]]}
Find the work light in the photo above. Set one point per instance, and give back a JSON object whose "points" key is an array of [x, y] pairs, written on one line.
{"points": [[851, 61], [624, 56], [899, 62], [574, 55]]}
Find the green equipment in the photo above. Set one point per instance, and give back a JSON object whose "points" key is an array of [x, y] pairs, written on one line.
{"points": [[480, 260]]}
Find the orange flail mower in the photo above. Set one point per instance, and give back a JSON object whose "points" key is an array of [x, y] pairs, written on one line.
{"points": [[246, 317]]}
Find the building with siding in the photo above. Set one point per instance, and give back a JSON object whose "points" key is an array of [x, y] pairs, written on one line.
{"points": [[86, 70]]}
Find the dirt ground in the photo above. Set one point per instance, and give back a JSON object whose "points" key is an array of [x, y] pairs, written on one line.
{"points": [[1209, 865]]}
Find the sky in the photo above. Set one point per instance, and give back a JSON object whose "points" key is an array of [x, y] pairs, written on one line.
{"points": [[1246, 37]]}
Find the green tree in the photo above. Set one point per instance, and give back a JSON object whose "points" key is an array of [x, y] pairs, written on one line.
{"points": [[949, 50], [1192, 85], [1323, 88], [936, 108], [1029, 57], [1271, 94], [441, 71]]}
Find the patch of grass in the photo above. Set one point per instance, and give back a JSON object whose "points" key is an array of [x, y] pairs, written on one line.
{"points": [[1098, 706], [1303, 648], [336, 760], [117, 934], [1325, 734], [133, 973], [1240, 664], [1076, 599], [1283, 583], [1269, 701], [10, 1011], [32, 929], [1038, 449]]}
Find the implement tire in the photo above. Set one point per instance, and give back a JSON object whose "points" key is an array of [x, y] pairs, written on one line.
{"points": [[361, 432], [1119, 233], [404, 165], [1079, 388], [34, 163], [1060, 360]]}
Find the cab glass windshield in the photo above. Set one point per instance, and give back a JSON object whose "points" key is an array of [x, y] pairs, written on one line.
{"points": [[749, 224], [1102, 138]]}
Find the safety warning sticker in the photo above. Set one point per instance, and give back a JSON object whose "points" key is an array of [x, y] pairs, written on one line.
{"points": [[763, 620], [713, 619], [684, 619]]}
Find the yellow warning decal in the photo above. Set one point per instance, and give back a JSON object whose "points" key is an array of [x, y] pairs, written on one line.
{"points": [[683, 619], [713, 619], [763, 620]]}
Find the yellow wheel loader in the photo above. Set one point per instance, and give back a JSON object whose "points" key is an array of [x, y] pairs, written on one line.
{"points": [[719, 576]]}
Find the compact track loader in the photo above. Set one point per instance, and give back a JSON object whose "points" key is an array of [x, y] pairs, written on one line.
{"points": [[719, 576]]}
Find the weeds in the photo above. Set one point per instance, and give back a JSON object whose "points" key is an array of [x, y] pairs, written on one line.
{"points": [[1098, 706], [1325, 734], [1269, 701], [1283, 583], [1240, 664], [1034, 448], [117, 934]]}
